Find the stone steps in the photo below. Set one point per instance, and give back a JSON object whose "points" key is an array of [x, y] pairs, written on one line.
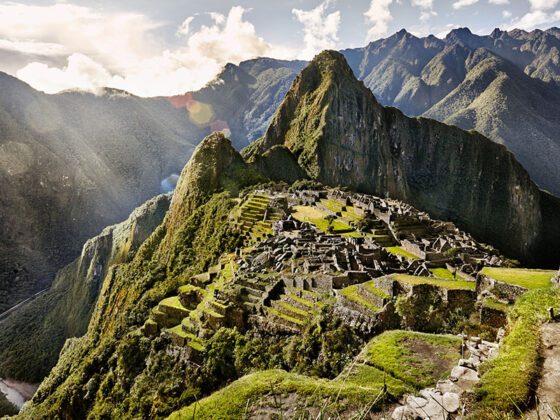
{"points": [[372, 294], [293, 325], [290, 310]]}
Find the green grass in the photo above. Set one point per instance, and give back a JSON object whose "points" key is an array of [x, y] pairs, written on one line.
{"points": [[418, 359], [284, 316], [445, 284], [494, 304], [397, 250], [173, 302], [301, 300], [293, 309], [237, 400], [442, 273], [352, 293], [507, 380], [317, 217], [335, 206], [370, 287], [177, 330], [530, 279]]}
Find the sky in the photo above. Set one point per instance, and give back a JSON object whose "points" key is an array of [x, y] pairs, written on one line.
{"points": [[170, 47]]}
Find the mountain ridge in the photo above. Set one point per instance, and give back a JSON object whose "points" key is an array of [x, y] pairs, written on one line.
{"points": [[341, 135]]}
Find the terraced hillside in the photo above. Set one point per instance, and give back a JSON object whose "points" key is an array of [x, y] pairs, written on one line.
{"points": [[288, 285]]}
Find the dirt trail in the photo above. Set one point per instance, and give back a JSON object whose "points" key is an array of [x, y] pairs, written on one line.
{"points": [[548, 391]]}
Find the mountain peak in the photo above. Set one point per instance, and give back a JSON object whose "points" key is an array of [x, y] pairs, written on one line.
{"points": [[311, 105], [214, 166]]}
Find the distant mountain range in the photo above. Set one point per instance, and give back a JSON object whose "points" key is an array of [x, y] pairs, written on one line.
{"points": [[504, 85], [73, 163]]}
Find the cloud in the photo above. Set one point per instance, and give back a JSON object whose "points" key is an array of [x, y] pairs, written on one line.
{"points": [[463, 3], [80, 71], [498, 2], [506, 14], [320, 28], [543, 4], [442, 32], [379, 16], [185, 27], [426, 7], [534, 19], [120, 50]]}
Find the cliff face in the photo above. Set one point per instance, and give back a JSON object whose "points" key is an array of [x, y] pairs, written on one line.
{"points": [[31, 338], [340, 135]]}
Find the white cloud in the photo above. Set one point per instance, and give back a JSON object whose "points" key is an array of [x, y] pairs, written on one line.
{"points": [[185, 27], [81, 71], [442, 32], [498, 2], [534, 19], [463, 3], [119, 50], [426, 8], [543, 4], [379, 16], [320, 29], [506, 14]]}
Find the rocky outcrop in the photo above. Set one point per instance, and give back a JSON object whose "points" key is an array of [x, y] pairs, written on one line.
{"points": [[31, 338], [340, 135]]}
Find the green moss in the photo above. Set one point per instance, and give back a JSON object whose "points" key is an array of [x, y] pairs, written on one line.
{"points": [[530, 279], [397, 250], [446, 284], [417, 359], [508, 380]]}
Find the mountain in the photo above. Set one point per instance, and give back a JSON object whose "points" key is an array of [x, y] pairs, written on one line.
{"points": [[65, 309], [504, 85], [85, 161], [269, 299], [75, 162], [243, 98], [71, 164], [475, 82], [340, 135]]}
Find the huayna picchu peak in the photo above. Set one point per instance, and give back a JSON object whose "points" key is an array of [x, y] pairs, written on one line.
{"points": [[334, 267], [340, 135]]}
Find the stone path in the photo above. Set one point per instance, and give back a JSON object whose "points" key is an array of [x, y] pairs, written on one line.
{"points": [[548, 391], [445, 399]]}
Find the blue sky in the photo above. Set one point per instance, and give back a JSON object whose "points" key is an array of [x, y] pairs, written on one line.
{"points": [[167, 47]]}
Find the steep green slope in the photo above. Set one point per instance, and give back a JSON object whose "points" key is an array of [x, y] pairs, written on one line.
{"points": [[192, 236], [340, 135], [31, 338]]}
